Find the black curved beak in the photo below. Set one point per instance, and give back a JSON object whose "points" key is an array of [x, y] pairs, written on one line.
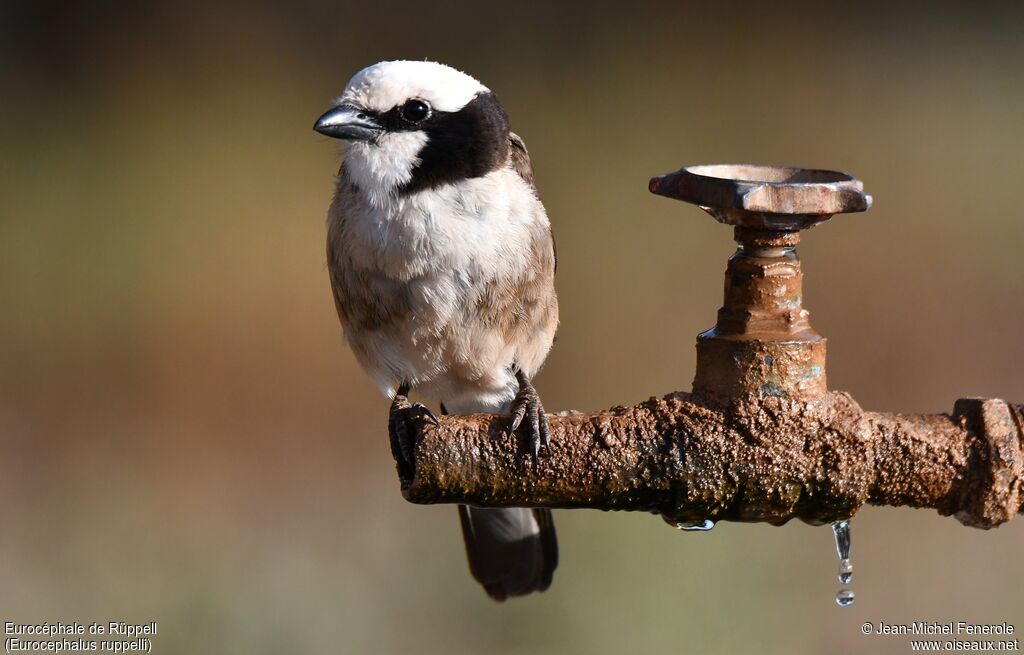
{"points": [[348, 122]]}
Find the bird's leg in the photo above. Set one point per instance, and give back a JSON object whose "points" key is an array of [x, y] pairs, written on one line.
{"points": [[527, 405], [401, 419]]}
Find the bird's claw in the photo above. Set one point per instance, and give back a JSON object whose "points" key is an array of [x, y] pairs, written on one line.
{"points": [[527, 407], [402, 421]]}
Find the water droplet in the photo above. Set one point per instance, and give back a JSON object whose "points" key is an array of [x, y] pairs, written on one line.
{"points": [[841, 529], [845, 571], [703, 526], [845, 597]]}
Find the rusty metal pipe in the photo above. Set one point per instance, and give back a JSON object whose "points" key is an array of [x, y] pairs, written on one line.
{"points": [[772, 460], [761, 438]]}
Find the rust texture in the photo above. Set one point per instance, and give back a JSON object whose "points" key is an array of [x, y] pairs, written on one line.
{"points": [[763, 342], [761, 438], [767, 197], [772, 460]]}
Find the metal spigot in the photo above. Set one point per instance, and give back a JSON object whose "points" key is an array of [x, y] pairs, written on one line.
{"points": [[763, 343]]}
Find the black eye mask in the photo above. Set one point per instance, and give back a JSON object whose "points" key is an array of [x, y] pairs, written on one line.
{"points": [[463, 144]]}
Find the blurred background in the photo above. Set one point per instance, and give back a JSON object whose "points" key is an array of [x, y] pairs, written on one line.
{"points": [[184, 437]]}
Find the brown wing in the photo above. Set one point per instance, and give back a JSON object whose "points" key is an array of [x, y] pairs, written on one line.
{"points": [[524, 307], [519, 159]]}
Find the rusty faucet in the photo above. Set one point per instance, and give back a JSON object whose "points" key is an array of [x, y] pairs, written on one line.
{"points": [[763, 342], [760, 437]]}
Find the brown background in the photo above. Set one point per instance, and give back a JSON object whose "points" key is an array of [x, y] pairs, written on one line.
{"points": [[185, 439]]}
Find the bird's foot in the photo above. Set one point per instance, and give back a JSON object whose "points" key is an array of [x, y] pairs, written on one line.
{"points": [[528, 412], [402, 421]]}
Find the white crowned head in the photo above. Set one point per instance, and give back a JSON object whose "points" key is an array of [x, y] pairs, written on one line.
{"points": [[411, 125]]}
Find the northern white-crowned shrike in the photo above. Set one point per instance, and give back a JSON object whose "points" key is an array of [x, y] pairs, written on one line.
{"points": [[442, 264]]}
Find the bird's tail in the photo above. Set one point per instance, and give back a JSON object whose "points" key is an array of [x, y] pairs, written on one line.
{"points": [[512, 551]]}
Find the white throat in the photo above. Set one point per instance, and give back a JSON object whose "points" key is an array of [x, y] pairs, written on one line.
{"points": [[380, 169]]}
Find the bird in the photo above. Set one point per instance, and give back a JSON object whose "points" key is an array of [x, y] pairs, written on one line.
{"points": [[442, 264]]}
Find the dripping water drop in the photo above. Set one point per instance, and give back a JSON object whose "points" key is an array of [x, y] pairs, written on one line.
{"points": [[703, 526], [841, 530], [845, 571]]}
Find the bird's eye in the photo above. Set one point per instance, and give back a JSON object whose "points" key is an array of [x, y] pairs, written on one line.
{"points": [[415, 111]]}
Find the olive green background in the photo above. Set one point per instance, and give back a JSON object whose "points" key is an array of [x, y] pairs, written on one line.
{"points": [[184, 437]]}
